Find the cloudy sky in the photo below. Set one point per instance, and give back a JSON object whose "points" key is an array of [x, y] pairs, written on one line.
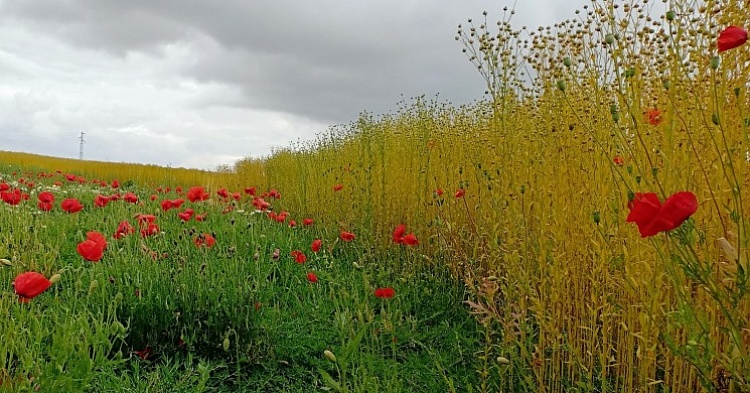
{"points": [[199, 83]]}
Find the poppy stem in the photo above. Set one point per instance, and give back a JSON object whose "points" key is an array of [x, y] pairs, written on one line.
{"points": [[468, 214]]}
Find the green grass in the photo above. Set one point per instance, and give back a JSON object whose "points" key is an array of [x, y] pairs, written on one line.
{"points": [[227, 318]]}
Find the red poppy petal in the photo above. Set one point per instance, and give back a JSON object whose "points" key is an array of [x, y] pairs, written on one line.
{"points": [[644, 208], [678, 208], [731, 37]]}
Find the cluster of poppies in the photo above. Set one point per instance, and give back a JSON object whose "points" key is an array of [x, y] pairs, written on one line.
{"points": [[93, 247]]}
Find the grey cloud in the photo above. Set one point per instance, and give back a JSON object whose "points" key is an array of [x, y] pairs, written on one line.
{"points": [[327, 60], [211, 80]]}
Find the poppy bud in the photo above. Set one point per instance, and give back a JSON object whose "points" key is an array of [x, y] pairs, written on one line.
{"points": [[597, 217], [666, 84], [567, 62], [55, 278], [92, 287], [736, 91], [692, 343], [715, 119], [329, 355], [226, 344], [503, 360], [561, 85], [116, 328], [671, 15], [5, 262], [609, 39], [715, 62]]}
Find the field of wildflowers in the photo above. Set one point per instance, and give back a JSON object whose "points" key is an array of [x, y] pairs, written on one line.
{"points": [[114, 287], [585, 229]]}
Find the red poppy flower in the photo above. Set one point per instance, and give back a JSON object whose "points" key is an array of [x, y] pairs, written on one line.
{"points": [[12, 197], [176, 203], [731, 37], [292, 224], [299, 256], [92, 249], [654, 116], [204, 239], [101, 200], [123, 230], [46, 200], [347, 236], [316, 244], [460, 193], [96, 237], [149, 229], [186, 215], [144, 219], [312, 277], [410, 240], [129, 197], [154, 197], [29, 285], [438, 192], [398, 234], [201, 217], [307, 222], [196, 194], [4, 187], [619, 161], [115, 183], [250, 191], [400, 238], [71, 205], [223, 193], [236, 196], [652, 217], [338, 187], [385, 293], [274, 194], [166, 204], [144, 353], [46, 196], [280, 217]]}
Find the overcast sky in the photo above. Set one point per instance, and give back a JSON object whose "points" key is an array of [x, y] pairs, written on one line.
{"points": [[199, 83]]}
